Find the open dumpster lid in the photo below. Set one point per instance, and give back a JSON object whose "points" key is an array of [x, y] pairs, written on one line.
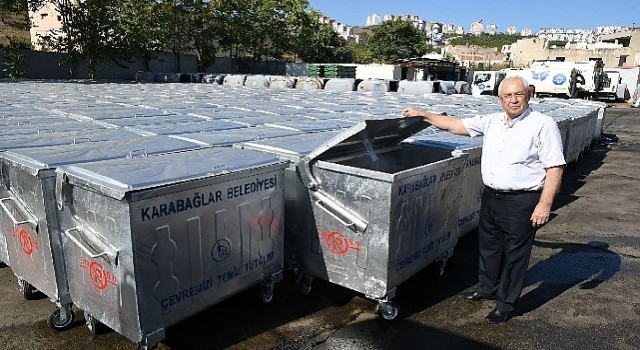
{"points": [[368, 136]]}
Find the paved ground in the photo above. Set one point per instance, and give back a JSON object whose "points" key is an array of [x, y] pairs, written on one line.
{"points": [[581, 291]]}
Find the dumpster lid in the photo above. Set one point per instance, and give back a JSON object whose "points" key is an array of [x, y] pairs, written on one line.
{"points": [[64, 138], [117, 177], [42, 158], [368, 136]]}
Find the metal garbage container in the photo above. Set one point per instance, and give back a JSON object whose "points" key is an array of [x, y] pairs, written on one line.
{"points": [[183, 128], [64, 138], [298, 217], [29, 225], [472, 185], [383, 210], [70, 125], [229, 137], [46, 140], [151, 241]]}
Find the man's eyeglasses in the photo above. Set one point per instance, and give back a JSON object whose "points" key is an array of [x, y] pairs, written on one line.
{"points": [[518, 95]]}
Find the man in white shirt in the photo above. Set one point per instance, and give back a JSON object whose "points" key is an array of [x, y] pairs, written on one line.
{"points": [[522, 165]]}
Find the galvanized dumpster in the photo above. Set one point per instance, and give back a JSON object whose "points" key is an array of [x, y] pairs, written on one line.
{"points": [[70, 125], [383, 210], [29, 224], [472, 185], [298, 212], [229, 137], [64, 138], [150, 241]]}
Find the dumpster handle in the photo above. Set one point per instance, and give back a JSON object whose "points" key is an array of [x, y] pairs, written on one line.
{"points": [[332, 207], [111, 255], [222, 167], [13, 219], [75, 141], [141, 152], [320, 204], [40, 131]]}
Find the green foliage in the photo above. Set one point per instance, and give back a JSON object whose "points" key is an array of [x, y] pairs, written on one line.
{"points": [[486, 40], [92, 30], [318, 43], [360, 53], [14, 65], [394, 40], [115, 31], [262, 29]]}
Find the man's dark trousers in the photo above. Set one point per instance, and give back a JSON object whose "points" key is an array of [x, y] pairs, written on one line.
{"points": [[505, 237]]}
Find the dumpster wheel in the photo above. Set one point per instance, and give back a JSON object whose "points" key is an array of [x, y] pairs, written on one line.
{"points": [[266, 292], [388, 310], [28, 291], [304, 283], [54, 321]]}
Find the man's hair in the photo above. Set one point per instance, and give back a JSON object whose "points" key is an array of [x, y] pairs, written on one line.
{"points": [[525, 83]]}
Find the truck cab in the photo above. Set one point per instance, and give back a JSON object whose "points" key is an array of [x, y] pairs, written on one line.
{"points": [[486, 82]]}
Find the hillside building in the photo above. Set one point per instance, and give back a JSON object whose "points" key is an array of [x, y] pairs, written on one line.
{"points": [[616, 49]]}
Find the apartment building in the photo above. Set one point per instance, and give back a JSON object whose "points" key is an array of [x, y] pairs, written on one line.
{"points": [[45, 23]]}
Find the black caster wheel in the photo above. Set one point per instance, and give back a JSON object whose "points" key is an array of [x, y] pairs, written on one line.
{"points": [[56, 322]]}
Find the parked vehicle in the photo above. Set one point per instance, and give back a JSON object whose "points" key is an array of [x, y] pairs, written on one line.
{"points": [[573, 79], [487, 82]]}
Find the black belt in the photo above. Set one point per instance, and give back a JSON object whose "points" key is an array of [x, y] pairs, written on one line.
{"points": [[509, 192]]}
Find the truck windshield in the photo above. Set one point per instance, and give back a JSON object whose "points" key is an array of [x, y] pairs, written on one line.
{"points": [[482, 77]]}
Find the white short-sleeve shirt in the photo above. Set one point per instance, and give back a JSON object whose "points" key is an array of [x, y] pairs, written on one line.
{"points": [[515, 155]]}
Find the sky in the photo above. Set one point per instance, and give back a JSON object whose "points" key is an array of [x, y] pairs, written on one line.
{"points": [[533, 14]]}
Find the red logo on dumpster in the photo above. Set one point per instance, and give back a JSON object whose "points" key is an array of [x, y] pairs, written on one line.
{"points": [[337, 243], [98, 274], [27, 243]]}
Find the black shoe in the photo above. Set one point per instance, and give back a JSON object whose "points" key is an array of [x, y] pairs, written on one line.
{"points": [[473, 296], [496, 316]]}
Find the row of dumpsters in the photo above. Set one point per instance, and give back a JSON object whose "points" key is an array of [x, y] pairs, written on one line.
{"points": [[143, 204], [310, 83]]}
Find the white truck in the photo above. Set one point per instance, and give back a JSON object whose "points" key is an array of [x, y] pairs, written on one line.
{"points": [[614, 89], [487, 82], [574, 79]]}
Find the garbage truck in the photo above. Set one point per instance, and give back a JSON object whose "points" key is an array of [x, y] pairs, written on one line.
{"points": [[573, 79]]}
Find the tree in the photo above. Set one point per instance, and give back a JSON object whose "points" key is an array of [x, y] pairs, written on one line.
{"points": [[262, 29], [93, 30], [14, 65], [143, 25], [398, 39], [189, 26], [360, 53], [318, 42]]}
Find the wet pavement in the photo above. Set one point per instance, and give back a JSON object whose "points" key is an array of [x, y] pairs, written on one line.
{"points": [[581, 290]]}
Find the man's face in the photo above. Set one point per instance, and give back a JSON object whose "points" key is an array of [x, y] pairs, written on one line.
{"points": [[514, 97]]}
